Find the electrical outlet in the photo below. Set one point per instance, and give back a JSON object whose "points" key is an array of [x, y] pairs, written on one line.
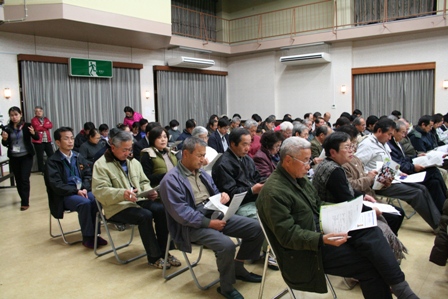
{"points": [[333, 106]]}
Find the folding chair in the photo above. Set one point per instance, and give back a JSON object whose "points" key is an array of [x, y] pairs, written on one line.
{"points": [[62, 233], [288, 289], [189, 266], [101, 220], [390, 201]]}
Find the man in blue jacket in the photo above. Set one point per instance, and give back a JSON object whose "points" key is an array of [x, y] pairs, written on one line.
{"points": [[185, 190]]}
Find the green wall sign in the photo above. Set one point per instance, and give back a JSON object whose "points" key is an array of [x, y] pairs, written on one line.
{"points": [[79, 67]]}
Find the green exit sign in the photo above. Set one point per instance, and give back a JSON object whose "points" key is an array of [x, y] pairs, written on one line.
{"points": [[80, 67]]}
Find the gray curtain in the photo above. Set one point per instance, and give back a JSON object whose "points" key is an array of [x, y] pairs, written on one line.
{"points": [[372, 11], [72, 101], [410, 92], [182, 96]]}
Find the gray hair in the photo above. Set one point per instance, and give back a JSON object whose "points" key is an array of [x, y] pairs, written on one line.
{"points": [[191, 142], [235, 120], [357, 121], [250, 123], [121, 136], [400, 124], [286, 125], [39, 107], [306, 121], [298, 128], [198, 131], [293, 145]]}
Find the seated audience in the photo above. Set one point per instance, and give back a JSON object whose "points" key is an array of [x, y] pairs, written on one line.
{"points": [[327, 117], [101, 152], [268, 124], [257, 118], [157, 159], [173, 131], [82, 136], [252, 126], [142, 127], [234, 123], [360, 125], [370, 124], [212, 124], [300, 130], [210, 153], [420, 136], [266, 158], [104, 132], [341, 121], [143, 143], [131, 116], [116, 182], [289, 209], [286, 129], [219, 140], [375, 149], [189, 126], [235, 172], [68, 176], [433, 179], [442, 131], [92, 146], [184, 191], [316, 144], [135, 129]]}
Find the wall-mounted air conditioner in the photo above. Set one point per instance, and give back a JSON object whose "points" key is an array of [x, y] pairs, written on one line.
{"points": [[306, 59], [190, 62]]}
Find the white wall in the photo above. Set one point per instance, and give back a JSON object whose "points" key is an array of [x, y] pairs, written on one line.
{"points": [[300, 89]]}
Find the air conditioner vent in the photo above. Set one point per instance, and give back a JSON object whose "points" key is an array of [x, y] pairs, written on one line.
{"points": [[190, 62], [306, 59]]}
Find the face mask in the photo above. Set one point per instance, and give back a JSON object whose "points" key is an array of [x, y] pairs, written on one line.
{"points": [[175, 128]]}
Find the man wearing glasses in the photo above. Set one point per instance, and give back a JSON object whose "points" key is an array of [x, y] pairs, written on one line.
{"points": [[116, 182], [289, 208]]}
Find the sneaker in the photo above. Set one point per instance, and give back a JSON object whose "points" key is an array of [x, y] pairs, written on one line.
{"points": [[272, 263], [173, 261], [101, 241], [159, 264]]}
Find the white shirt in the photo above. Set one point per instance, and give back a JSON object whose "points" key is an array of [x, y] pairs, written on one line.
{"points": [[370, 151]]}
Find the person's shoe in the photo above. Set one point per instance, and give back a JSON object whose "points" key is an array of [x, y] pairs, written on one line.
{"points": [[88, 243], [272, 263], [234, 294], [24, 208], [250, 277], [101, 241], [173, 261], [159, 264]]}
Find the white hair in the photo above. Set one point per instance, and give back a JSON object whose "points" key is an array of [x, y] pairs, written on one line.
{"points": [[293, 145], [286, 125]]}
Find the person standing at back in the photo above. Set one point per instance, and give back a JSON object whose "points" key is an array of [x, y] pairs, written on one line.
{"points": [[42, 126], [16, 136]]}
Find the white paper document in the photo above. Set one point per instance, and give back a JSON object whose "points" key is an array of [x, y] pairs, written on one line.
{"points": [[215, 204], [384, 208], [412, 178], [209, 166], [346, 216], [144, 194], [432, 158]]}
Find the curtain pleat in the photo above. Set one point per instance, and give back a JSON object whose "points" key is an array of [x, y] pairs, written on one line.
{"points": [[183, 96], [410, 92], [72, 101]]}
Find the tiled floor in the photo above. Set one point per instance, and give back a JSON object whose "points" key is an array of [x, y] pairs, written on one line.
{"points": [[33, 265]]}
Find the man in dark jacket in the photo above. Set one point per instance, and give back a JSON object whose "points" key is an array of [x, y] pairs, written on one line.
{"points": [[433, 179], [289, 208], [421, 137], [235, 172], [83, 135], [68, 179], [219, 140], [189, 126]]}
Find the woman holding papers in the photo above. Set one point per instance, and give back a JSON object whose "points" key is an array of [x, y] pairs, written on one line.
{"points": [[433, 179], [157, 159], [332, 185]]}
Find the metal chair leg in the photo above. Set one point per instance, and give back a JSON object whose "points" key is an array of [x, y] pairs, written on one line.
{"points": [[63, 234]]}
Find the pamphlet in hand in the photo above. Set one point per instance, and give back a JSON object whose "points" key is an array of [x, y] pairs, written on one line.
{"points": [[145, 194], [346, 216], [210, 164], [384, 208], [215, 204], [432, 158], [412, 178], [388, 171]]}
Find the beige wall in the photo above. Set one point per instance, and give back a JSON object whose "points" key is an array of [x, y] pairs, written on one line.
{"points": [[154, 10]]}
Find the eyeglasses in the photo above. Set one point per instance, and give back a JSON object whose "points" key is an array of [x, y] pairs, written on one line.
{"points": [[350, 147], [304, 163]]}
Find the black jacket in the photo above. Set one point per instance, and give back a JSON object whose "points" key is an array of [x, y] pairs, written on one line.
{"points": [[26, 139], [56, 181], [233, 177], [215, 141], [138, 146]]}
